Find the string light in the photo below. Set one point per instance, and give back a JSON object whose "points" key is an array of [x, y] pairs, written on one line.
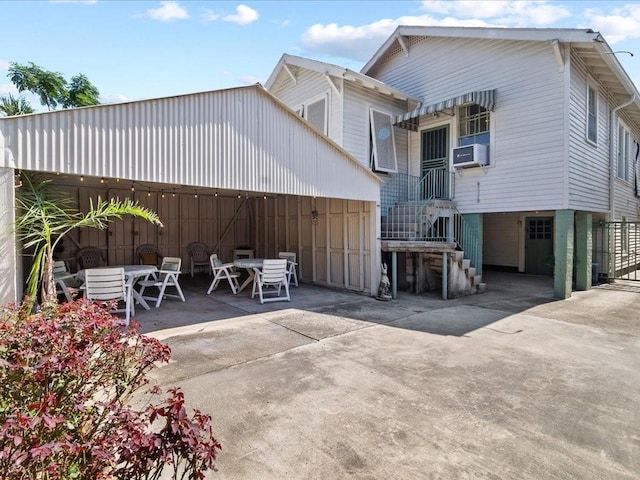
{"points": [[264, 196], [81, 178], [216, 193], [117, 180], [101, 179], [195, 195], [133, 188], [149, 193], [239, 196], [162, 194], [174, 193]]}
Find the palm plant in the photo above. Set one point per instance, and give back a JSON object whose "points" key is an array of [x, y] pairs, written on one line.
{"points": [[11, 106], [47, 216]]}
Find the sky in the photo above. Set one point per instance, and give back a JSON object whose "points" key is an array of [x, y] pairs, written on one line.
{"points": [[133, 50]]}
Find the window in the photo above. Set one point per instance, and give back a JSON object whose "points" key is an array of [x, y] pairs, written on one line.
{"points": [[383, 143], [540, 229], [624, 150], [592, 114], [474, 125], [316, 114]]}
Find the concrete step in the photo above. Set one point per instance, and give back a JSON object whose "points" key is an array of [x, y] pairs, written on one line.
{"points": [[482, 287], [471, 272], [466, 264], [476, 280]]}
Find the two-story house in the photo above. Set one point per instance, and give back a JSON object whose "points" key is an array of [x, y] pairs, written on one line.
{"points": [[518, 147]]}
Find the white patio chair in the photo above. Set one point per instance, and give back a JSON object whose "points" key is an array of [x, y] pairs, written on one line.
{"points": [[167, 277], [221, 271], [198, 256], [291, 266], [106, 284], [64, 280], [273, 274]]}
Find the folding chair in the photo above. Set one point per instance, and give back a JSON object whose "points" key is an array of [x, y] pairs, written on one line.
{"points": [[291, 266], [273, 274], [64, 279], [223, 270], [167, 277], [106, 284]]}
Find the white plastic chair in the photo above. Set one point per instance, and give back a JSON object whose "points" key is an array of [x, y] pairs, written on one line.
{"points": [[291, 266], [167, 277], [64, 280], [273, 274], [198, 256], [221, 271], [106, 284]]}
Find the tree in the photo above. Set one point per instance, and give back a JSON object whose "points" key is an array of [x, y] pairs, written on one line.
{"points": [[47, 216], [81, 93], [11, 106], [52, 88]]}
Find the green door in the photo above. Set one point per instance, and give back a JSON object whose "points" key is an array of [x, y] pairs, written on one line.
{"points": [[538, 245]]}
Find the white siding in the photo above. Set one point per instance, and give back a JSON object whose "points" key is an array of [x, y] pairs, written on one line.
{"points": [[238, 139], [588, 163], [358, 100], [627, 204], [528, 128], [310, 86]]}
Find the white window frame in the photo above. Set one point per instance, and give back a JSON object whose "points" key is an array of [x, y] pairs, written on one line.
{"points": [[592, 116], [486, 113], [323, 97], [623, 148], [375, 164]]}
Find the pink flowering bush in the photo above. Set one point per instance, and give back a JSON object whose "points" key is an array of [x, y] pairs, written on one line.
{"points": [[67, 378]]}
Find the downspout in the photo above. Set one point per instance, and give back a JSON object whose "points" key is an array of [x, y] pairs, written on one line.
{"points": [[612, 163]]}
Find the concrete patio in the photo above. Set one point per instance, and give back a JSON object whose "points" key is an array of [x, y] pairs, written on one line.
{"points": [[507, 384]]}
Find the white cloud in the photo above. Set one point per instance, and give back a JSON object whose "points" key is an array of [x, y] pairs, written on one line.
{"points": [[167, 11], [510, 13], [361, 42], [113, 98], [8, 88], [244, 15], [617, 25]]}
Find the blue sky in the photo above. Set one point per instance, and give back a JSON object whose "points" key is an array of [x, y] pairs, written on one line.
{"points": [[132, 50]]}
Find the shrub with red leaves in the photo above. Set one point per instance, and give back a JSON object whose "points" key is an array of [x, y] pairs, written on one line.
{"points": [[67, 377]]}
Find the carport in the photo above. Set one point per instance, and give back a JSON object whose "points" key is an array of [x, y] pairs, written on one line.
{"points": [[230, 168]]}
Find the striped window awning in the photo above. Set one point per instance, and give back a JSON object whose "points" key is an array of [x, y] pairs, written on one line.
{"points": [[484, 98]]}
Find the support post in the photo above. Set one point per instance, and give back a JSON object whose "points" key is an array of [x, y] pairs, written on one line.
{"points": [[563, 253], [584, 250], [445, 276], [474, 221], [394, 274]]}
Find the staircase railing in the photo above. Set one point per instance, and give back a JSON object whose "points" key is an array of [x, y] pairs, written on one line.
{"points": [[412, 212]]}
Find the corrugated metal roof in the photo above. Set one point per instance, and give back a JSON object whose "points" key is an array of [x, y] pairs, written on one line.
{"points": [[240, 139]]}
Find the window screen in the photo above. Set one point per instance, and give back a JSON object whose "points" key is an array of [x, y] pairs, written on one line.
{"points": [[316, 115], [383, 142]]}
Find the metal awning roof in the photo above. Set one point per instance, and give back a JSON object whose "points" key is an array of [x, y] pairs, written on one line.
{"points": [[484, 98]]}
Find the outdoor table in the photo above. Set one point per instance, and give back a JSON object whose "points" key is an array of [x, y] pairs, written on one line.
{"points": [[248, 264], [132, 273]]}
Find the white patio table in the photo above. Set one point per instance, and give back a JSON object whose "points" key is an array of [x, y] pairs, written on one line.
{"points": [[248, 264], [132, 274]]}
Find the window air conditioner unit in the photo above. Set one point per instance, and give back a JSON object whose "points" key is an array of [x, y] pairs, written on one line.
{"points": [[474, 155]]}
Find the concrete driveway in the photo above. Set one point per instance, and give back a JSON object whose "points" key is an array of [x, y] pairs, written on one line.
{"points": [[509, 384]]}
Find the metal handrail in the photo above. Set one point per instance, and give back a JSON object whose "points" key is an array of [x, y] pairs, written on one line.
{"points": [[418, 219]]}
